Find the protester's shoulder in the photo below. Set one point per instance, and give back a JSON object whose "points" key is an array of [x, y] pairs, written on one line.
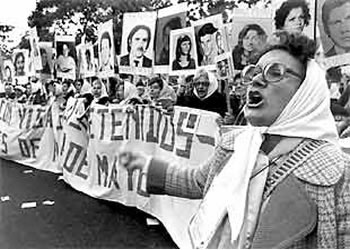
{"points": [[227, 140], [325, 167]]}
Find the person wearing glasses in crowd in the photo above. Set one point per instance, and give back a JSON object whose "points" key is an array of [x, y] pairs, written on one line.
{"points": [[283, 181], [293, 16], [205, 94]]}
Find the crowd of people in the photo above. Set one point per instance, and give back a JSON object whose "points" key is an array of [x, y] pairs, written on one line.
{"points": [[283, 180]]}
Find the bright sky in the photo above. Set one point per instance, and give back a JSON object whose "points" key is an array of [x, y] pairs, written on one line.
{"points": [[16, 12]]}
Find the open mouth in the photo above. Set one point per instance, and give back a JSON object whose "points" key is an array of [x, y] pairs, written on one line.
{"points": [[255, 99]]}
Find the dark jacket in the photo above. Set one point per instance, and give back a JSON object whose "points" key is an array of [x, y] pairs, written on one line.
{"points": [[125, 61], [215, 103]]}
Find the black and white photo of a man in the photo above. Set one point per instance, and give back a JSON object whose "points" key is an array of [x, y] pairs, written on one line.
{"points": [[137, 44]]}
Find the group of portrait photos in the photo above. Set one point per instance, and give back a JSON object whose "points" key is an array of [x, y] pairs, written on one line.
{"points": [[164, 42]]}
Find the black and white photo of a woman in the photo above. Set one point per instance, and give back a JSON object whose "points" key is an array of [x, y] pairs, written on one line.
{"points": [[183, 58]]}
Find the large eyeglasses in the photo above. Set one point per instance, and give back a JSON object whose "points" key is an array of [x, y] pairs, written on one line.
{"points": [[203, 83], [271, 73]]}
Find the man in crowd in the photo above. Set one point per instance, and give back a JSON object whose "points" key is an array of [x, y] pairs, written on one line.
{"points": [[138, 43], [336, 23]]}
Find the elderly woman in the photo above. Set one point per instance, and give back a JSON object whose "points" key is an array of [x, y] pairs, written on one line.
{"points": [[161, 93], [281, 182], [250, 40], [126, 93], [99, 92], [292, 16], [205, 94]]}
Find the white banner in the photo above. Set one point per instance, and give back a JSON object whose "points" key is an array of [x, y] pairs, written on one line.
{"points": [[85, 146]]}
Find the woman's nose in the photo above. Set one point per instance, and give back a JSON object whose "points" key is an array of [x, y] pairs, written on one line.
{"points": [[258, 81]]}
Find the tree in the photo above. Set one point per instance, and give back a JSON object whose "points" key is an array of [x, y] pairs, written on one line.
{"points": [[81, 17]]}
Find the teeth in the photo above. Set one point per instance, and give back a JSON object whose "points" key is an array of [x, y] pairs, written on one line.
{"points": [[255, 99]]}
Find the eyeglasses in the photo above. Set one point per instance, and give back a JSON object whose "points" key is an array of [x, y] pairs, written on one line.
{"points": [[271, 73], [203, 83]]}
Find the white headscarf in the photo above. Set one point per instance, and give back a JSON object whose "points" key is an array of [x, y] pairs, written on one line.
{"points": [[130, 91], [213, 85], [307, 115], [103, 91]]}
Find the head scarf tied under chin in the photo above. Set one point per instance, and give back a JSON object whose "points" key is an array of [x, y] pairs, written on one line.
{"points": [[213, 86], [307, 115]]}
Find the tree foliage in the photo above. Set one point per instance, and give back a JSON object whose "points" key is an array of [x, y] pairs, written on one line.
{"points": [[52, 16]]}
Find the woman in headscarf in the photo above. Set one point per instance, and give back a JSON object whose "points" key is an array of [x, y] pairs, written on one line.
{"points": [[281, 182], [161, 93], [126, 93], [99, 92], [205, 94]]}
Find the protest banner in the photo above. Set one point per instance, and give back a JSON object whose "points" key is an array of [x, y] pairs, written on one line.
{"points": [[27, 135], [85, 146], [184, 138]]}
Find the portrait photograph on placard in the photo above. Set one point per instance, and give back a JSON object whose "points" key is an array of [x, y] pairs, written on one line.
{"points": [[20, 62], [224, 66], [34, 53], [205, 32], [183, 51], [66, 62], [86, 60], [137, 55], [106, 51], [247, 36], [171, 18], [294, 16], [8, 70], [334, 26], [46, 57]]}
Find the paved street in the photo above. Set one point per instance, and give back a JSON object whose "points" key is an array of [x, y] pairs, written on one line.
{"points": [[75, 220]]}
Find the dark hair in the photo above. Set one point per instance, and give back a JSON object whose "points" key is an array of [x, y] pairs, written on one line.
{"points": [[88, 54], [106, 35], [43, 51], [157, 80], [140, 83], [286, 7], [248, 27], [17, 56], [173, 23], [206, 29], [134, 30], [297, 45], [178, 50], [327, 7]]}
